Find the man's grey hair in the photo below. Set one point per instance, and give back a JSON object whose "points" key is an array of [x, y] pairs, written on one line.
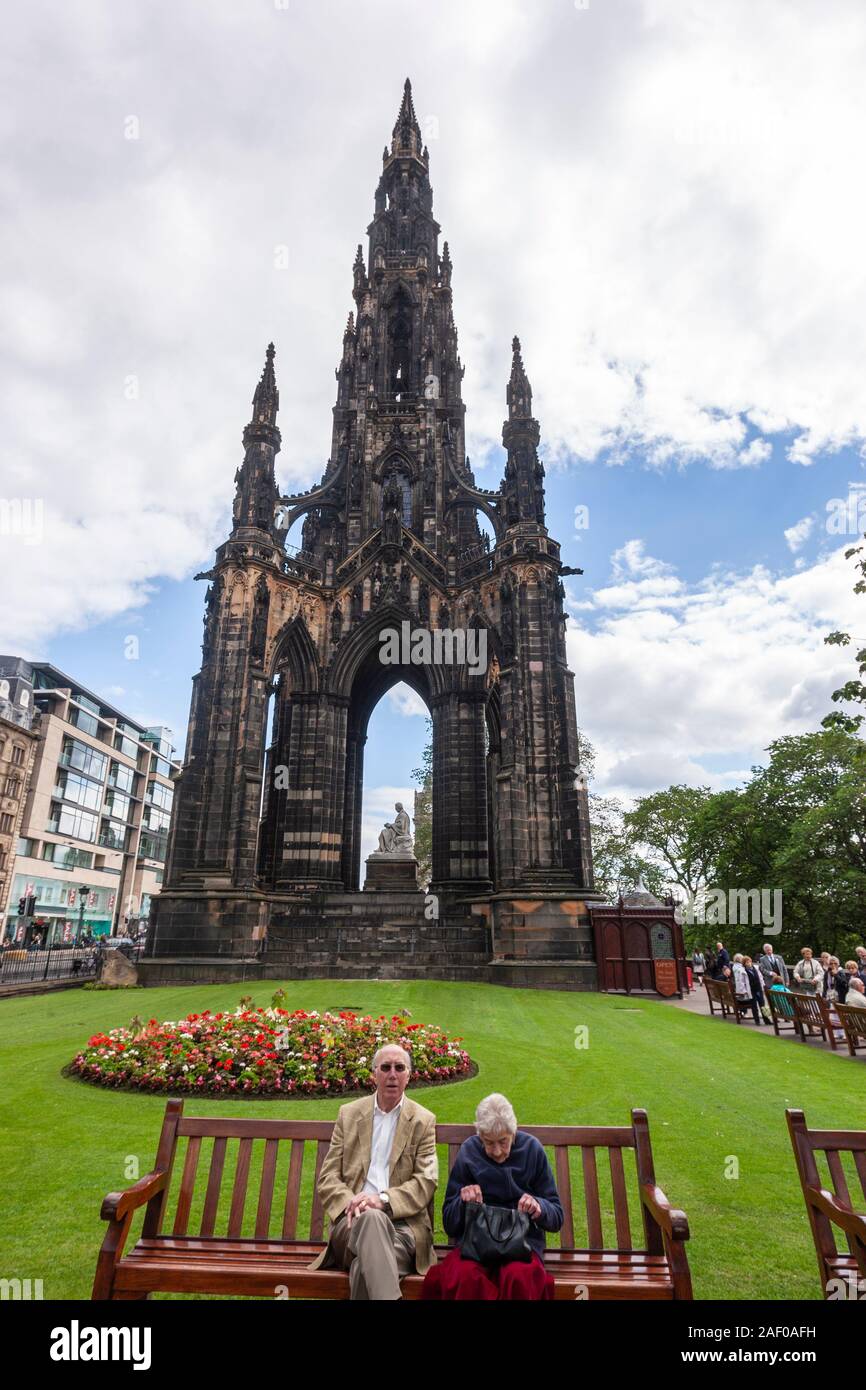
{"points": [[384, 1048], [767, 947], [857, 984], [495, 1115]]}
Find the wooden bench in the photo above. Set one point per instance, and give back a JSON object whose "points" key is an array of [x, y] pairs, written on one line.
{"points": [[853, 1023], [721, 992], [829, 1207], [814, 1017], [261, 1255], [781, 1011]]}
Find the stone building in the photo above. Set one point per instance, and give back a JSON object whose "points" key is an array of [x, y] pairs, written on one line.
{"points": [[265, 844]]}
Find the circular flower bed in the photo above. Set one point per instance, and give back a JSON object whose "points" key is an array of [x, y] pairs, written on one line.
{"points": [[266, 1052]]}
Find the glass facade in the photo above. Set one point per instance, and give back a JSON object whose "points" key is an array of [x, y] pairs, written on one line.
{"points": [[153, 845], [112, 836], [126, 746], [158, 795], [86, 722], [121, 777], [117, 805], [72, 786], [83, 758], [65, 820], [67, 856]]}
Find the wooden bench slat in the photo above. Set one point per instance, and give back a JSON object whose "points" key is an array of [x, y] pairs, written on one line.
{"points": [[837, 1173], [859, 1156], [214, 1182], [620, 1199], [317, 1217], [563, 1183], [239, 1191], [256, 1129], [593, 1207], [293, 1190], [184, 1201], [266, 1191]]}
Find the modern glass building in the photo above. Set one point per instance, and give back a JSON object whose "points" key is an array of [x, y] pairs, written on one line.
{"points": [[93, 834]]}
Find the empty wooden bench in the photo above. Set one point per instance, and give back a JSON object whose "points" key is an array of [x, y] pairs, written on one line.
{"points": [[832, 1214], [259, 1253]]}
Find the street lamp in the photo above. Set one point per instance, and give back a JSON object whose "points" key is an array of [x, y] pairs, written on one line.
{"points": [[83, 893]]}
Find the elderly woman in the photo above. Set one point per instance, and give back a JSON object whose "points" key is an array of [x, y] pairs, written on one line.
{"points": [[503, 1167]]}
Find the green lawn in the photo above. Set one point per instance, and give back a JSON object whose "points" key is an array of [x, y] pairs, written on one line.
{"points": [[712, 1091]]}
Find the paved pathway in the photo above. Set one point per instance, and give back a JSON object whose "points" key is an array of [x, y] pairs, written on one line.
{"points": [[696, 1003]]}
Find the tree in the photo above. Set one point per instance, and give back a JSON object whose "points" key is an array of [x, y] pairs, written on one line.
{"points": [[618, 866], [853, 690], [423, 778], [667, 824]]}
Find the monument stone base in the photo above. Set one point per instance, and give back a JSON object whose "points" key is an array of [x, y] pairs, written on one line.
{"points": [[397, 872]]}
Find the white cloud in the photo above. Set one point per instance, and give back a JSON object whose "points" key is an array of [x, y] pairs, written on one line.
{"points": [[675, 683], [673, 224], [798, 534]]}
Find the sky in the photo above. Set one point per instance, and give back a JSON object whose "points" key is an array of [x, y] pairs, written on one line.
{"points": [[663, 198]]}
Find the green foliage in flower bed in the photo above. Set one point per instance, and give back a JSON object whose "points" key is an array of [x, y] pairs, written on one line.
{"points": [[263, 1052]]}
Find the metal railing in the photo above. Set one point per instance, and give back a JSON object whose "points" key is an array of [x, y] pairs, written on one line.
{"points": [[35, 964]]}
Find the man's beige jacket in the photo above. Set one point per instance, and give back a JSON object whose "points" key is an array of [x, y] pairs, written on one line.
{"points": [[414, 1170]]}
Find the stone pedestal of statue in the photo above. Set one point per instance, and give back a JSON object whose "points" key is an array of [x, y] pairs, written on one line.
{"points": [[394, 871]]}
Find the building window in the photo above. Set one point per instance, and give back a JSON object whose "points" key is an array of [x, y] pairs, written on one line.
{"points": [[83, 758], [72, 786], [87, 723], [81, 825], [123, 778], [159, 795], [11, 786], [5, 823], [18, 755]]}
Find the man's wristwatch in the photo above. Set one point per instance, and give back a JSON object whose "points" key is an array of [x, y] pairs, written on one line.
{"points": [[385, 1199]]}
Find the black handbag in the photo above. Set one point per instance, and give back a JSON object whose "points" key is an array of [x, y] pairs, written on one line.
{"points": [[495, 1235]]}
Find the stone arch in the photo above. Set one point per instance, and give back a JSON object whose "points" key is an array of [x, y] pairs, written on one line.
{"points": [[479, 504]]}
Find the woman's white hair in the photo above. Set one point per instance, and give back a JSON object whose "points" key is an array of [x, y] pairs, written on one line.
{"points": [[737, 958], [495, 1115]]}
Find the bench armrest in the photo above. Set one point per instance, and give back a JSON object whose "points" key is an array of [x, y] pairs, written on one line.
{"points": [[672, 1221], [118, 1204], [850, 1221]]}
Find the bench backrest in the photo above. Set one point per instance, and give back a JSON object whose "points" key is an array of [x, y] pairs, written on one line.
{"points": [[808, 1009], [720, 990], [853, 1021], [833, 1160], [598, 1172], [780, 1003]]}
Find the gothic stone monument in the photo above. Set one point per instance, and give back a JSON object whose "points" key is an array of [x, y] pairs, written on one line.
{"points": [[264, 855]]}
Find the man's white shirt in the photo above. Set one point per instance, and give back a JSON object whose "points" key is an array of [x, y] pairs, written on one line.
{"points": [[384, 1129]]}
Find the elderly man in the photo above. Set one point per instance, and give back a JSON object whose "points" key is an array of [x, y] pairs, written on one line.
{"points": [[376, 1182], [772, 966], [856, 996]]}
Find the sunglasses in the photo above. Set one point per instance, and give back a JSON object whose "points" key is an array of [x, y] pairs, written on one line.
{"points": [[396, 1066]]}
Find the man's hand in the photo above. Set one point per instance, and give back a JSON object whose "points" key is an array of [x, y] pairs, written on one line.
{"points": [[471, 1193], [361, 1202], [530, 1205]]}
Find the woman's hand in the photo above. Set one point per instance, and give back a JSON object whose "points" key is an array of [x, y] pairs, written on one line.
{"points": [[530, 1205], [471, 1193]]}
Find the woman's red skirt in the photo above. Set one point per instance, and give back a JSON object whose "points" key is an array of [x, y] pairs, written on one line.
{"points": [[455, 1277]]}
